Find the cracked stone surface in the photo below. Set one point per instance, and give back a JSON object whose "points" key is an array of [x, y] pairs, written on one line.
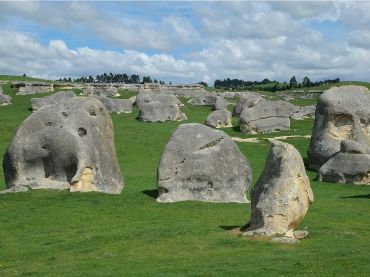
{"points": [[204, 164]]}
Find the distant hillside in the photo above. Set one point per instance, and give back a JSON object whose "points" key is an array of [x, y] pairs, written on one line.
{"points": [[21, 78]]}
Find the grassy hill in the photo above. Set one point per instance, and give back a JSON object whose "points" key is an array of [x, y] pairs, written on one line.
{"points": [[21, 78], [57, 233]]}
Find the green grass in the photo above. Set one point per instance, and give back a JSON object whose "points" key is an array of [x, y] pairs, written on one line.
{"points": [[51, 233], [21, 78]]}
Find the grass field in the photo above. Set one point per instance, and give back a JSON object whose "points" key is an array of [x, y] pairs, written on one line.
{"points": [[57, 233]]}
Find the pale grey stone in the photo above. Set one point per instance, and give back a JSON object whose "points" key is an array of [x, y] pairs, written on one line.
{"points": [[201, 163]]}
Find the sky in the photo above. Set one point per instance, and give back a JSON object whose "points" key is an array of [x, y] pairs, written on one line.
{"points": [[187, 42]]}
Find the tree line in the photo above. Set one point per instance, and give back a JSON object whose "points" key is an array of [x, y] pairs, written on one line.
{"points": [[114, 78], [268, 85]]}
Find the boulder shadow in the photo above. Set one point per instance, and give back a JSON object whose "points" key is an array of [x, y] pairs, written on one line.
{"points": [[231, 227], [364, 196], [153, 193], [236, 128]]}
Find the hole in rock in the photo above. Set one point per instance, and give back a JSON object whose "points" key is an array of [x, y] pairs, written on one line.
{"points": [[82, 132]]}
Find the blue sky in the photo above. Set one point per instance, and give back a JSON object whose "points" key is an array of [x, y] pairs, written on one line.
{"points": [[187, 41]]}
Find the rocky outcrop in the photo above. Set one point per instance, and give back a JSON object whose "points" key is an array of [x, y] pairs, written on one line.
{"points": [[116, 105], [342, 113], [5, 100], [282, 194], [188, 90], [33, 88], [204, 164], [266, 116], [100, 90], [350, 165], [159, 107], [219, 119], [304, 112], [68, 145], [57, 98], [246, 100]]}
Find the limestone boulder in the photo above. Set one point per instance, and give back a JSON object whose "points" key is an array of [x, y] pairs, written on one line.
{"points": [[246, 100], [350, 165], [266, 116], [282, 194], [219, 119], [342, 113], [59, 97], [221, 103], [159, 107], [99, 90], [68, 145], [204, 164], [33, 88], [304, 112], [204, 100], [184, 90], [116, 105]]}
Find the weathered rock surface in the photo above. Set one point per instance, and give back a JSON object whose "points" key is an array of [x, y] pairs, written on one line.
{"points": [[33, 88], [159, 107], [204, 100], [185, 90], [342, 113], [201, 163], [221, 103], [99, 90], [282, 194], [5, 99], [69, 145], [350, 165], [246, 100], [219, 119], [304, 112], [116, 105], [266, 116], [59, 97]]}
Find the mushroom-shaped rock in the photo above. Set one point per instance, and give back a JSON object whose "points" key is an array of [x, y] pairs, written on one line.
{"points": [[68, 145], [159, 108], [246, 100], [342, 113], [59, 97], [350, 165], [219, 119], [116, 105], [204, 164], [266, 116], [282, 194]]}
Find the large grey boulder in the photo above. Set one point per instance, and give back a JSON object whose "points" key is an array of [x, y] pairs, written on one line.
{"points": [[99, 90], [304, 112], [159, 107], [266, 116], [282, 194], [201, 163], [221, 103], [342, 113], [116, 105], [219, 119], [246, 100], [59, 97], [68, 145], [350, 165], [204, 100]]}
